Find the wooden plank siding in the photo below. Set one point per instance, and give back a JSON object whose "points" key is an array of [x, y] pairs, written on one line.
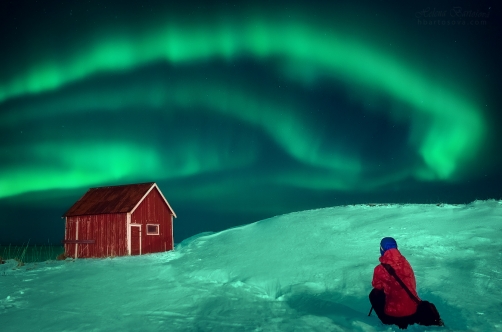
{"points": [[70, 234], [109, 231], [153, 210]]}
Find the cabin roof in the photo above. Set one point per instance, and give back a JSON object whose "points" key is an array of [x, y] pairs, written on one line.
{"points": [[113, 199]]}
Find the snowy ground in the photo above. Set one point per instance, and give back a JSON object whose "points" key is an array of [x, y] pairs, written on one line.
{"points": [[305, 271]]}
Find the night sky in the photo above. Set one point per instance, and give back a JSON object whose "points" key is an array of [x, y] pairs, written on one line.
{"points": [[244, 111]]}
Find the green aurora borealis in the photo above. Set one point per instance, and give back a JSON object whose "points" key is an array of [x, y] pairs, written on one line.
{"points": [[241, 112]]}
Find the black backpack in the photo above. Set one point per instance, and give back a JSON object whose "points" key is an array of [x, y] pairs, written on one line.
{"points": [[426, 314]]}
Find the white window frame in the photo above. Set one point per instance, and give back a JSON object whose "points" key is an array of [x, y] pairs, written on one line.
{"points": [[158, 229]]}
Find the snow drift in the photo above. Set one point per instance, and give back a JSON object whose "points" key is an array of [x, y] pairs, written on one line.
{"points": [[304, 271]]}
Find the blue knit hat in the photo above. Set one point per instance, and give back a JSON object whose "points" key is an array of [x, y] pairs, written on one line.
{"points": [[386, 244]]}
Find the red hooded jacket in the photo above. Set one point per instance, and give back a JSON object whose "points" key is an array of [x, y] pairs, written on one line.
{"points": [[397, 302]]}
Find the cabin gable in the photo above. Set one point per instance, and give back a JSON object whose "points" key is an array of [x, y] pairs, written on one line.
{"points": [[156, 220]]}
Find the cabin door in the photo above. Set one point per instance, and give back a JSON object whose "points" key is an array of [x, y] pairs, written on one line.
{"points": [[135, 239]]}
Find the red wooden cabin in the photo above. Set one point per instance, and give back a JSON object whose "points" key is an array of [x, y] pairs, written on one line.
{"points": [[123, 220]]}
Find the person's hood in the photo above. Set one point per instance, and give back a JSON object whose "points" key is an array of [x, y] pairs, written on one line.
{"points": [[391, 256]]}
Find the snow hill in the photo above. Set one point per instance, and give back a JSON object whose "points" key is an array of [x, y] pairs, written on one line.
{"points": [[305, 271]]}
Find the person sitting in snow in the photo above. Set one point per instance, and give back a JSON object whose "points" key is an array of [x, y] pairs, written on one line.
{"points": [[389, 300]]}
